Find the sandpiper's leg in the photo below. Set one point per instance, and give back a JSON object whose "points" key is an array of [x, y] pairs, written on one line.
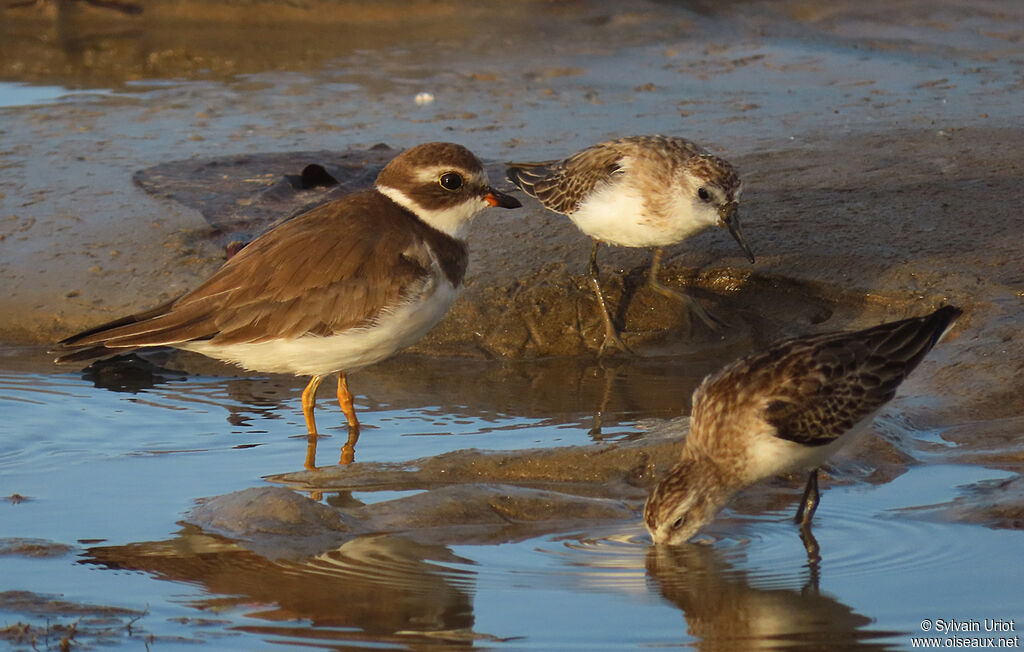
{"points": [[345, 401], [690, 303], [609, 379], [813, 557], [611, 336], [809, 502], [309, 402]]}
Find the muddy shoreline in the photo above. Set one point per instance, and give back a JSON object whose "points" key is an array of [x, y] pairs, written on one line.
{"points": [[822, 231]]}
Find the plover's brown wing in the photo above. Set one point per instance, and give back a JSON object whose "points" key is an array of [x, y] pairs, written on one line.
{"points": [[331, 269], [821, 386], [563, 185]]}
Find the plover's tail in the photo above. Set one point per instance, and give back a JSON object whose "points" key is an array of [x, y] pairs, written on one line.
{"points": [[119, 336]]}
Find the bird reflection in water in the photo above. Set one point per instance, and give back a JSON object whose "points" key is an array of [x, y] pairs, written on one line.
{"points": [[262, 398], [370, 588], [727, 609]]}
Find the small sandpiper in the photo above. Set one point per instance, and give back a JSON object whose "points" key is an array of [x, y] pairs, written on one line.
{"points": [[784, 409], [641, 191], [332, 290]]}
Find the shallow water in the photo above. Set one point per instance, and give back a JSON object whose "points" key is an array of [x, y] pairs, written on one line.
{"points": [[83, 457], [14, 94]]}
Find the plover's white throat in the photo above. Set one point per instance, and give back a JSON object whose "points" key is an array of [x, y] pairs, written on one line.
{"points": [[784, 409], [641, 191], [337, 288]]}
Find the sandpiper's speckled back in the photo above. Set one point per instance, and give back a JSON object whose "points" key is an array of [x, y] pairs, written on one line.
{"points": [[563, 185], [815, 388]]}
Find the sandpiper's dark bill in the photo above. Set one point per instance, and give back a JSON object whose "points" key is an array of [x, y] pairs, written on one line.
{"points": [[785, 409], [335, 289], [641, 191]]}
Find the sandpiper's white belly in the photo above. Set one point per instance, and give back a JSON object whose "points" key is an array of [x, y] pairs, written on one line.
{"points": [[768, 455], [312, 355], [617, 214]]}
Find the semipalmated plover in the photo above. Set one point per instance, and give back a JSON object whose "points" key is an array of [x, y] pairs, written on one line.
{"points": [[332, 290], [784, 409], [641, 191]]}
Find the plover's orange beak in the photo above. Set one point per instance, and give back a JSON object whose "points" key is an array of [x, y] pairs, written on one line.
{"points": [[498, 198]]}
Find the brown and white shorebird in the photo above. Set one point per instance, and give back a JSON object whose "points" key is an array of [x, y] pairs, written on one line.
{"points": [[332, 290], [787, 408], [641, 191]]}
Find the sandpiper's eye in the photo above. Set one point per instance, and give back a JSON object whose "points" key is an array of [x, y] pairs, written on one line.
{"points": [[678, 523], [451, 181], [703, 193]]}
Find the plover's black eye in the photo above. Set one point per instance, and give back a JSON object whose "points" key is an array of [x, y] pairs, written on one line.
{"points": [[703, 193], [678, 523], [451, 181]]}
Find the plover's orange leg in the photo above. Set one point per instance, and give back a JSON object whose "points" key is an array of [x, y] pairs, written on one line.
{"points": [[310, 463], [348, 450], [809, 502], [690, 303], [611, 336], [345, 401], [309, 402]]}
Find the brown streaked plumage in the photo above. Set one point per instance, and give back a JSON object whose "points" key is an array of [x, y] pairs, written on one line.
{"points": [[787, 408], [332, 290], [641, 191]]}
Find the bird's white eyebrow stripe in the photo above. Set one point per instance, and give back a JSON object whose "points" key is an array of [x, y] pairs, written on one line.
{"points": [[433, 173]]}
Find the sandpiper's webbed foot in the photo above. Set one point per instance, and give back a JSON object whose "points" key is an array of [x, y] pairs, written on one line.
{"points": [[691, 304], [611, 336]]}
